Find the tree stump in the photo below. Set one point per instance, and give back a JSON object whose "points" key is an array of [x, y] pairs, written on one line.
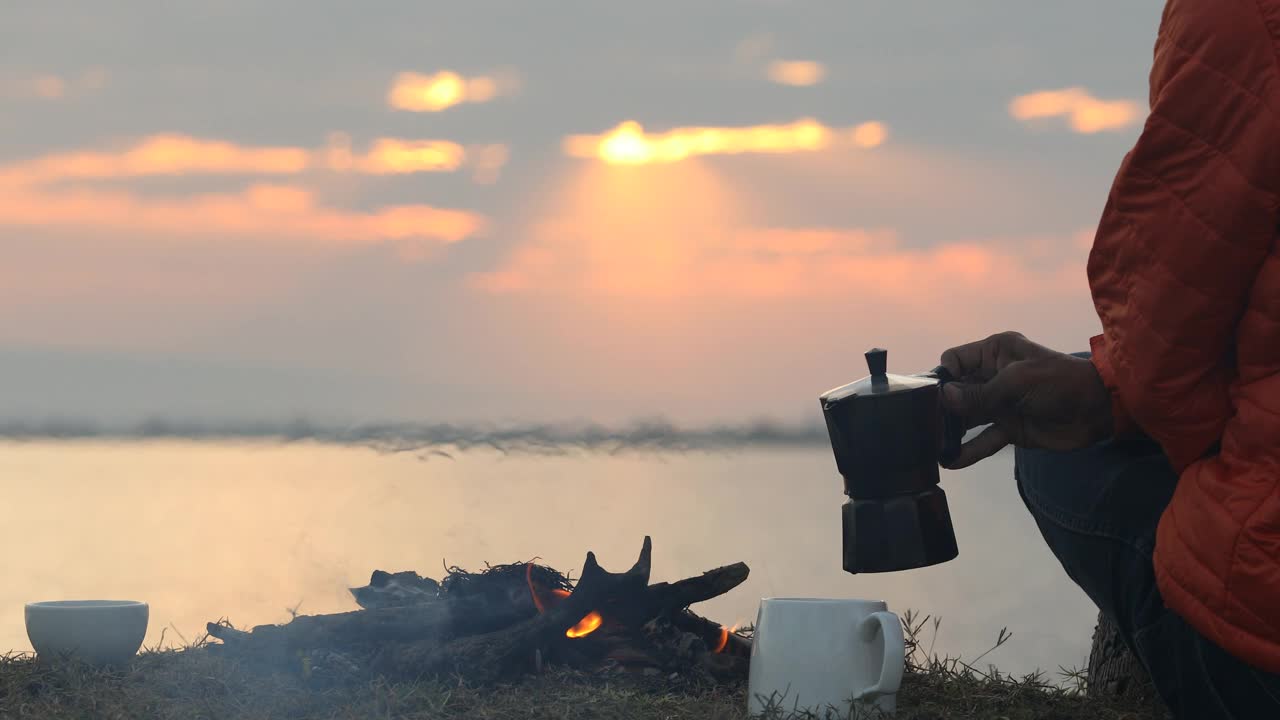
{"points": [[1114, 671]]}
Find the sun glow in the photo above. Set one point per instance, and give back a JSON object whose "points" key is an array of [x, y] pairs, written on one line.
{"points": [[415, 92], [629, 144]]}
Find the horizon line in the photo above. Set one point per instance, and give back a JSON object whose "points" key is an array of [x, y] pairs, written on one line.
{"points": [[436, 438]]}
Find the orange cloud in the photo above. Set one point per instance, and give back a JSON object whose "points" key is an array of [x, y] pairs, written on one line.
{"points": [[392, 157], [174, 154], [628, 144], [275, 211], [665, 231], [976, 270], [50, 86], [415, 92], [42, 192], [781, 262], [800, 73], [167, 154], [1085, 113]]}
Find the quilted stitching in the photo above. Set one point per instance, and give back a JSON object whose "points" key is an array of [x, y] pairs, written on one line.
{"points": [[1184, 281]]}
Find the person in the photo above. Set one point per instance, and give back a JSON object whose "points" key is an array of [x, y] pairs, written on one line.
{"points": [[1151, 464]]}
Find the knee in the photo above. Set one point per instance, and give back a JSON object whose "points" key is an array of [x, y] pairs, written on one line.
{"points": [[1062, 486], [1033, 470]]}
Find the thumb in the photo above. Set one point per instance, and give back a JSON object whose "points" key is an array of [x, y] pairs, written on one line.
{"points": [[987, 443]]}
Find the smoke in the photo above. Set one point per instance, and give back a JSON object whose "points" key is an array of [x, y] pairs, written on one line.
{"points": [[441, 438]]}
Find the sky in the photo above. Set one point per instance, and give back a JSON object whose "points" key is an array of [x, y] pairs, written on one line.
{"points": [[517, 211]]}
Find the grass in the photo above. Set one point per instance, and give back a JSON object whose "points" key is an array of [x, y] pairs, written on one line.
{"points": [[192, 684]]}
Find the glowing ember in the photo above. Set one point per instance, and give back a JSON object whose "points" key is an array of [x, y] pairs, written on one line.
{"points": [[589, 624], [586, 626], [724, 637]]}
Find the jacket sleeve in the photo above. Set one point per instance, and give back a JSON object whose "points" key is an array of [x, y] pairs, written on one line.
{"points": [[1191, 216]]}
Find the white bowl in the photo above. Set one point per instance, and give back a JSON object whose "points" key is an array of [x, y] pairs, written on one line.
{"points": [[100, 632]]}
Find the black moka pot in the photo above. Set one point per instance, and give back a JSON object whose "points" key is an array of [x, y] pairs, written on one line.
{"points": [[889, 434]]}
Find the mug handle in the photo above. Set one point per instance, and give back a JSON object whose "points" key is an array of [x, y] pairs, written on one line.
{"points": [[894, 652]]}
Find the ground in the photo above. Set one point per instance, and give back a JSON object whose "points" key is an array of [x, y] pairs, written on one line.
{"points": [[193, 684]]}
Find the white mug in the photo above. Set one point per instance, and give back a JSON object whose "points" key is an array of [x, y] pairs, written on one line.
{"points": [[821, 655]]}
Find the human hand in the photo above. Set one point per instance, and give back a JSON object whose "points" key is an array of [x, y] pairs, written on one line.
{"points": [[1031, 396]]}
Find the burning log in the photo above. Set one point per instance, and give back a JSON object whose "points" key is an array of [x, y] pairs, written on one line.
{"points": [[507, 652], [465, 604], [727, 640], [362, 630], [510, 620]]}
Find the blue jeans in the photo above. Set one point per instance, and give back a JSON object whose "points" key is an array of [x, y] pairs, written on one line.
{"points": [[1098, 509]]}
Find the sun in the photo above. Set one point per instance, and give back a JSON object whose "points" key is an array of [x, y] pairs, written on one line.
{"points": [[627, 145]]}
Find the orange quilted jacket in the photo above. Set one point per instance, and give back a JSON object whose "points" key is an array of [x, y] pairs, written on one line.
{"points": [[1185, 275]]}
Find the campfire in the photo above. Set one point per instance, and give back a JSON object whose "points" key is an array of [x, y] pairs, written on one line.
{"points": [[505, 622]]}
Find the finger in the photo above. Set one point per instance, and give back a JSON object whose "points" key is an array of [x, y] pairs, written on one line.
{"points": [[987, 443], [974, 359], [975, 403], [964, 360], [982, 403], [958, 397], [983, 358], [979, 376]]}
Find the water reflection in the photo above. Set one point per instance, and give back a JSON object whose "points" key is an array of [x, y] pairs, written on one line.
{"points": [[205, 531]]}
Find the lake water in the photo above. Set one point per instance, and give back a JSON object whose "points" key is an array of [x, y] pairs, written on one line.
{"points": [[245, 531]]}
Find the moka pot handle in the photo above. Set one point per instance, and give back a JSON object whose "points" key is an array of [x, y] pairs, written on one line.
{"points": [[952, 425]]}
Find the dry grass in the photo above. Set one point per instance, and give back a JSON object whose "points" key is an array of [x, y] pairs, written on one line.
{"points": [[193, 684]]}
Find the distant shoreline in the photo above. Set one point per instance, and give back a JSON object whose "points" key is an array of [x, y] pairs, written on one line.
{"points": [[409, 437]]}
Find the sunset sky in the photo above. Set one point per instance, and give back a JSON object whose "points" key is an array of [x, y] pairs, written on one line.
{"points": [[486, 210]]}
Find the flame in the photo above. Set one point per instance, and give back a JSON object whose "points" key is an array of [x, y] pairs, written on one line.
{"points": [[586, 626], [724, 637], [589, 624], [628, 144]]}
